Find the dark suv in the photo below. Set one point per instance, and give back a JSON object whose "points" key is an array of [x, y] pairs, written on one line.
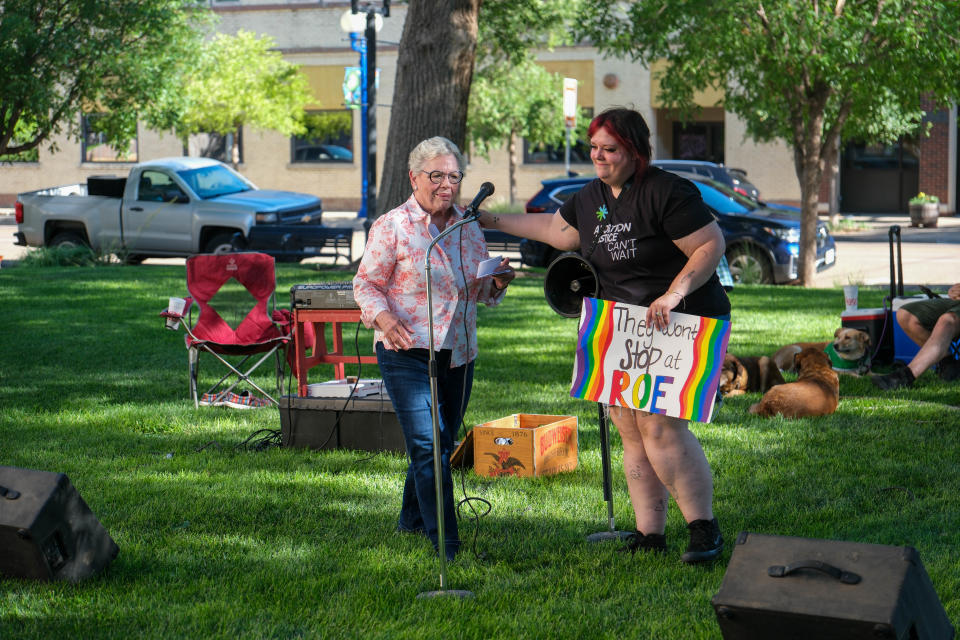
{"points": [[763, 243], [736, 179]]}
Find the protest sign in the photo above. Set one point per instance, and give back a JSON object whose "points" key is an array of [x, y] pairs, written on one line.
{"points": [[622, 360]]}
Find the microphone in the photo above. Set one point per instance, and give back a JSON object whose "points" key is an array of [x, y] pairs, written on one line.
{"points": [[486, 190]]}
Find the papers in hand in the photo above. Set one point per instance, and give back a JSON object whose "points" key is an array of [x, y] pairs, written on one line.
{"points": [[490, 267], [343, 388]]}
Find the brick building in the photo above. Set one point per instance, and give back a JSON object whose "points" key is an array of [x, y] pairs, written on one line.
{"points": [[871, 178]]}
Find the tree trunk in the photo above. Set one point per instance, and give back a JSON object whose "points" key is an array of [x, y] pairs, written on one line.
{"points": [[833, 175], [434, 72], [810, 202], [512, 164], [809, 164]]}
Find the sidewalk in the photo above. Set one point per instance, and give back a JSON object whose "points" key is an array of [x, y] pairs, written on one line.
{"points": [[930, 257]]}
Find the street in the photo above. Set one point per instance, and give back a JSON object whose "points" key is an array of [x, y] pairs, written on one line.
{"points": [[931, 257]]}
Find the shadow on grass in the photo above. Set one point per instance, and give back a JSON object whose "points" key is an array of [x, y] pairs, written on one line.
{"points": [[296, 543]]}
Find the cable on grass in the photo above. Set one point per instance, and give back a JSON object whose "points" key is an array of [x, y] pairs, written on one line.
{"points": [[475, 515], [469, 501], [903, 491], [261, 440]]}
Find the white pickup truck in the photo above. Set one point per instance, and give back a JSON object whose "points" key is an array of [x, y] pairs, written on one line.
{"points": [[177, 207]]}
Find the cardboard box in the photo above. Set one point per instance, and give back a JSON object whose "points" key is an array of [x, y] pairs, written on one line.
{"points": [[525, 444]]}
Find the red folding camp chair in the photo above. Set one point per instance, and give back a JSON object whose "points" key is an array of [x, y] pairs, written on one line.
{"points": [[233, 323]]}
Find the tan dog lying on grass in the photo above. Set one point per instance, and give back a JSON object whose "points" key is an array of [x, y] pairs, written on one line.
{"points": [[815, 393], [848, 353], [741, 374]]}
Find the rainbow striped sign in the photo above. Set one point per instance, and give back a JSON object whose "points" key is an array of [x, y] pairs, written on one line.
{"points": [[623, 361]]}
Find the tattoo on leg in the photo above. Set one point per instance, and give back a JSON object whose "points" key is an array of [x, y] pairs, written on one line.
{"points": [[660, 506], [636, 473]]}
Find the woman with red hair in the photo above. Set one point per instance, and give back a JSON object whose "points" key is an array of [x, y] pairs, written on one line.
{"points": [[652, 242]]}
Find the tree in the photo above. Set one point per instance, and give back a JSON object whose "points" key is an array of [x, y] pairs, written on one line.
{"points": [[441, 41], [434, 72], [513, 97], [117, 57], [240, 81], [813, 74], [508, 102]]}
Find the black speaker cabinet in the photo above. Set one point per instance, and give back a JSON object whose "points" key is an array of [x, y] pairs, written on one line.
{"points": [[47, 531], [801, 588], [364, 424]]}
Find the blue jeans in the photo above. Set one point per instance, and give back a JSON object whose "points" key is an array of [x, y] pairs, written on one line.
{"points": [[407, 379]]}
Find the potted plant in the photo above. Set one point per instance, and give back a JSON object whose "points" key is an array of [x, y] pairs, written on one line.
{"points": [[924, 210]]}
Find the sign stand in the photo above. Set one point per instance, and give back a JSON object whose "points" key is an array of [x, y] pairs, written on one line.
{"points": [[612, 533]]}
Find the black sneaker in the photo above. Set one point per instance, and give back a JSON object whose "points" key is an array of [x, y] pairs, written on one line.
{"points": [[899, 377], [949, 369], [706, 543], [655, 542]]}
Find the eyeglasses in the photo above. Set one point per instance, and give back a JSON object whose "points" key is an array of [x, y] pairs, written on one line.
{"points": [[436, 177]]}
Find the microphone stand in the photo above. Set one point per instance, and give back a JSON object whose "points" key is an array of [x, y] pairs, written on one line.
{"points": [[435, 411]]}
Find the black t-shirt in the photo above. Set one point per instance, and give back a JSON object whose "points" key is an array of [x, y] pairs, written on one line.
{"points": [[629, 240]]}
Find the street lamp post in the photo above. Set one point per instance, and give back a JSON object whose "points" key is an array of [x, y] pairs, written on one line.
{"points": [[366, 45]]}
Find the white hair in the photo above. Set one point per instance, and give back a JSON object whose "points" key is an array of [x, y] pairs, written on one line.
{"points": [[433, 148]]}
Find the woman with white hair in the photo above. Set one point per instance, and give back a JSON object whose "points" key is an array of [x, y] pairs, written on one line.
{"points": [[391, 289]]}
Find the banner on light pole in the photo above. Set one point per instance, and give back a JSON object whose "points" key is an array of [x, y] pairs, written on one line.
{"points": [[570, 102], [352, 87]]}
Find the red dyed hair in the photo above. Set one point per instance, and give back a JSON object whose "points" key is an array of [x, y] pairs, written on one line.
{"points": [[631, 132]]}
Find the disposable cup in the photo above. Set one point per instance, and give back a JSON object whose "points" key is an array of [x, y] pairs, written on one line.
{"points": [[850, 292], [176, 306]]}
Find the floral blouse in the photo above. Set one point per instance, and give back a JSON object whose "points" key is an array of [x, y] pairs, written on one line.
{"points": [[392, 278]]}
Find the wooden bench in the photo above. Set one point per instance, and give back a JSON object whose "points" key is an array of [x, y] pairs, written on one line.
{"points": [[498, 241], [337, 243], [295, 242]]}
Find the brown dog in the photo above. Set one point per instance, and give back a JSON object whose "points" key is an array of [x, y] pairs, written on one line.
{"points": [[848, 353], [747, 373], [815, 393]]}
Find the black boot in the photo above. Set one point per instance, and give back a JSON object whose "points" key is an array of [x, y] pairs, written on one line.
{"points": [[900, 377], [706, 543], [949, 368], [655, 542]]}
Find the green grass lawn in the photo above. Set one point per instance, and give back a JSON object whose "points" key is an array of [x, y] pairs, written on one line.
{"points": [[221, 540]]}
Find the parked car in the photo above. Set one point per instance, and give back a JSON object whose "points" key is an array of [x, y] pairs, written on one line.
{"points": [[322, 152], [733, 178], [763, 243], [174, 207]]}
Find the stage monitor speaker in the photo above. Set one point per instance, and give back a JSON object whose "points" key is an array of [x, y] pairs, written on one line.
{"points": [[47, 531], [800, 588], [569, 280]]}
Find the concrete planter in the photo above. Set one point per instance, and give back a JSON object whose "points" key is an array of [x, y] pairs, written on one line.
{"points": [[924, 215]]}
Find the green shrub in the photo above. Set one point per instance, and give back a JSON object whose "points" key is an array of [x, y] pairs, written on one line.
{"points": [[65, 257]]}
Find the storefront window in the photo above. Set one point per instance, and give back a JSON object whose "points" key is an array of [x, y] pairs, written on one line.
{"points": [[329, 138]]}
